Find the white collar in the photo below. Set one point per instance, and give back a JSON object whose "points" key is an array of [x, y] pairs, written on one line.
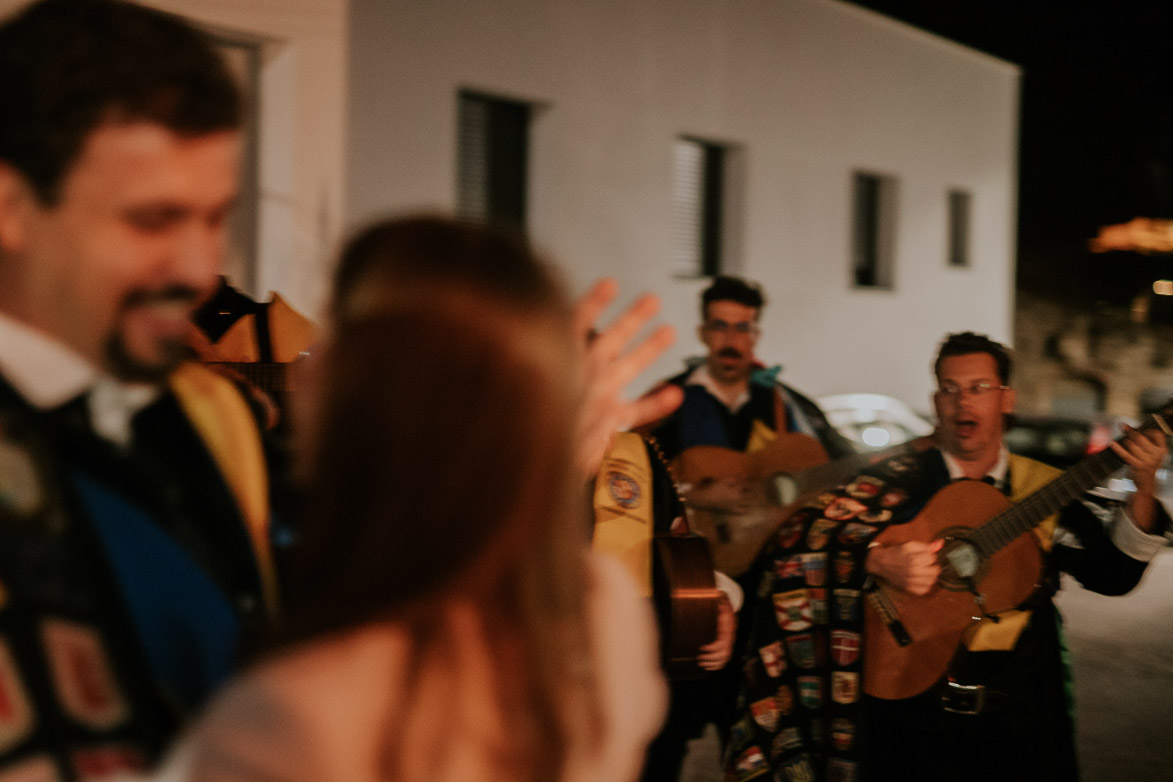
{"points": [[42, 369], [701, 377], [49, 373], [997, 472]]}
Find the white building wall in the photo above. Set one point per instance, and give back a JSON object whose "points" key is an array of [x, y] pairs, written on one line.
{"points": [[811, 89]]}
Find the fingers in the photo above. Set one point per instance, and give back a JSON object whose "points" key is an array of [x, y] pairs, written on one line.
{"points": [[655, 405], [588, 309]]}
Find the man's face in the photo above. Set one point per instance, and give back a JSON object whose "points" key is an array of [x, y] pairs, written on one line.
{"points": [[970, 403], [730, 332], [116, 267]]}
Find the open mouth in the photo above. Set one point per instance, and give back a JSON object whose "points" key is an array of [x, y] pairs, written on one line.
{"points": [[965, 427]]}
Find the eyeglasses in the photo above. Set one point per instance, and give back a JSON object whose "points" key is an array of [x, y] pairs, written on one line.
{"points": [[978, 388], [740, 327]]}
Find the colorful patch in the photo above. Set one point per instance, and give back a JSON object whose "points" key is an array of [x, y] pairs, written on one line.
{"points": [[789, 567], [82, 674], [799, 769], [750, 760], [893, 497], [844, 686], [765, 713], [793, 610], [865, 487], [847, 604], [624, 490], [842, 734], [772, 659], [820, 533], [881, 516], [844, 647], [786, 740], [814, 568], [790, 532], [844, 508], [900, 464], [801, 649], [854, 532], [16, 710], [844, 566], [818, 598]]}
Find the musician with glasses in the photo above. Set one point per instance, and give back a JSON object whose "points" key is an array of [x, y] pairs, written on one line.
{"points": [[989, 701]]}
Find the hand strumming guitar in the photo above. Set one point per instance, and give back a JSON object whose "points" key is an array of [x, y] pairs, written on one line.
{"points": [[715, 656], [1143, 452], [910, 566]]}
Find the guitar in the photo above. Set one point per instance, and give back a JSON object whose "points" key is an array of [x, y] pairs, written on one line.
{"points": [[988, 564], [738, 500], [686, 598]]}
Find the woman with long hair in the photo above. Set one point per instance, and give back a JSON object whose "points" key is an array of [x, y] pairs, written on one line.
{"points": [[443, 619]]}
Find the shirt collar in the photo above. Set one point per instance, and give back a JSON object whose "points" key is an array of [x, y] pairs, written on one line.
{"points": [[701, 377], [997, 472], [42, 369]]}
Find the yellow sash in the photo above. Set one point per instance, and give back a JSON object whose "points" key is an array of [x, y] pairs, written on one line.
{"points": [[224, 422], [1026, 477], [624, 524]]}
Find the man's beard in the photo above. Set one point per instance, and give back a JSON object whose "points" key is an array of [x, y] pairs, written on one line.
{"points": [[170, 351]]}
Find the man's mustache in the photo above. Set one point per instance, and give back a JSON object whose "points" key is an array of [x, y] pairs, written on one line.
{"points": [[729, 353], [172, 294]]}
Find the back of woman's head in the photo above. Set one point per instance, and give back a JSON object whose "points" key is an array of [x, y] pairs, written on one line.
{"points": [[439, 453]]}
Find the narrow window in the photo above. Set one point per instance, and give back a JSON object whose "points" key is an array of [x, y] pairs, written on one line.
{"points": [[959, 228], [492, 156], [873, 230], [698, 194]]}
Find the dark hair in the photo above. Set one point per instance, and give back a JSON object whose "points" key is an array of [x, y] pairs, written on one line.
{"points": [[735, 289], [967, 343], [69, 66], [441, 466]]}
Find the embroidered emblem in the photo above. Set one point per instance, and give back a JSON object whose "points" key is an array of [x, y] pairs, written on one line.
{"points": [[772, 659], [787, 739], [844, 647], [36, 769], [106, 761], [847, 604], [750, 760], [82, 675], [820, 533], [824, 499], [844, 566], [893, 497], [844, 686], [842, 733], [815, 568], [765, 713], [801, 649], [789, 567], [624, 490], [854, 532], [818, 598], [843, 508], [16, 711], [790, 532], [865, 487], [793, 610], [797, 770]]}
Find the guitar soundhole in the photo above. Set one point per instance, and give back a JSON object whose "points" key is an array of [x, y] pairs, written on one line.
{"points": [[962, 565]]}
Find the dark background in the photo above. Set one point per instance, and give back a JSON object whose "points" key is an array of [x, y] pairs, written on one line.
{"points": [[1096, 131]]}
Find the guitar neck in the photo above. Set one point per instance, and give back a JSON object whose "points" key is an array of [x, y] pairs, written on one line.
{"points": [[1054, 496]]}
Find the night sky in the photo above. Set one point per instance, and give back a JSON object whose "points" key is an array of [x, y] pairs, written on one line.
{"points": [[1096, 128]]}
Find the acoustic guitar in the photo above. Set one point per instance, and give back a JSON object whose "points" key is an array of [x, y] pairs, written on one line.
{"points": [[686, 595], [988, 564], [738, 500]]}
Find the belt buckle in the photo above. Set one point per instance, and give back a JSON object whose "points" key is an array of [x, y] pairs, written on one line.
{"points": [[967, 699]]}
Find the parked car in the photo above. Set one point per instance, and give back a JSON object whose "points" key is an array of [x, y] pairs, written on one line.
{"points": [[873, 422]]}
